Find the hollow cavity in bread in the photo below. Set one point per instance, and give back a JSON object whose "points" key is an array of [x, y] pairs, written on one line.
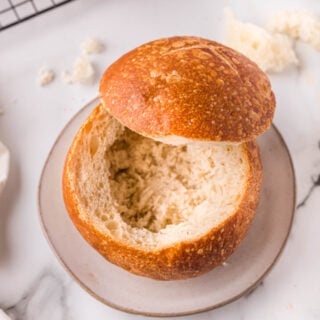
{"points": [[149, 194]]}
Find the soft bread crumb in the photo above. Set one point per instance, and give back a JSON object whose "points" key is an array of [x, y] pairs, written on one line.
{"points": [[151, 194], [91, 46], [45, 76], [83, 72], [67, 77], [1, 112], [299, 24], [272, 52], [290, 306]]}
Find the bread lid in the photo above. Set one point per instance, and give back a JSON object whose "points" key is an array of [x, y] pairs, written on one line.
{"points": [[184, 89]]}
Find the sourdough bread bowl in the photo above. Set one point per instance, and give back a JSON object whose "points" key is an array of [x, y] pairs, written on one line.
{"points": [[163, 178]]}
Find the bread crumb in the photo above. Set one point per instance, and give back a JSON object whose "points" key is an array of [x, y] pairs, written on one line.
{"points": [[45, 76], [83, 72], [91, 46], [67, 77], [225, 264], [299, 24], [1, 112], [290, 306], [272, 52]]}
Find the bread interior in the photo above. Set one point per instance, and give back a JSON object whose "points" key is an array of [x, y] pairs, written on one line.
{"points": [[150, 194]]}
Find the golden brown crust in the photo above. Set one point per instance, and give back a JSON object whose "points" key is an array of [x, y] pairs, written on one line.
{"points": [[182, 260], [189, 87]]}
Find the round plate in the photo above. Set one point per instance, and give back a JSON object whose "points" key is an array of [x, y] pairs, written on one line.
{"points": [[116, 287]]}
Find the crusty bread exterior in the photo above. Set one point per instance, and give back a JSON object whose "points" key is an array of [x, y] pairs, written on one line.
{"points": [[189, 88], [179, 260]]}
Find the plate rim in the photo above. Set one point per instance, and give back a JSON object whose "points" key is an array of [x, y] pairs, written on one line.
{"points": [[156, 314]]}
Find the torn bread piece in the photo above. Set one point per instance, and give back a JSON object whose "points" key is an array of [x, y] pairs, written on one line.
{"points": [[92, 46], [83, 72], [45, 76], [272, 52], [299, 24]]}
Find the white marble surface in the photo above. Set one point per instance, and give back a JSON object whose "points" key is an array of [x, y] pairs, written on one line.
{"points": [[33, 285]]}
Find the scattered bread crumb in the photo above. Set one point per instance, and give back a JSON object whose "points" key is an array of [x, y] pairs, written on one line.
{"points": [[272, 52], [299, 24], [290, 306], [67, 77], [45, 76], [83, 72], [225, 264], [91, 46], [1, 112]]}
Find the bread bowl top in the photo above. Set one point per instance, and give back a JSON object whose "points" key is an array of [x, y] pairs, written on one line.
{"points": [[184, 89]]}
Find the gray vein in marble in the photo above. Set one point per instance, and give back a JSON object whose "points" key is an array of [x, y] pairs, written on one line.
{"points": [[45, 299], [315, 184]]}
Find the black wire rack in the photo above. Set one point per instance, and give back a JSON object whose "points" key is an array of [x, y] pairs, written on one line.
{"points": [[13, 12]]}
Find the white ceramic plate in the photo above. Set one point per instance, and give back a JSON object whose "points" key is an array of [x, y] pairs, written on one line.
{"points": [[244, 270]]}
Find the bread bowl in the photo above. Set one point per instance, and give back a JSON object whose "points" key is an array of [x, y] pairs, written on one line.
{"points": [[161, 180]]}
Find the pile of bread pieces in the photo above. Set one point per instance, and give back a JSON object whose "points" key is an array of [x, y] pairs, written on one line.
{"points": [[163, 178]]}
